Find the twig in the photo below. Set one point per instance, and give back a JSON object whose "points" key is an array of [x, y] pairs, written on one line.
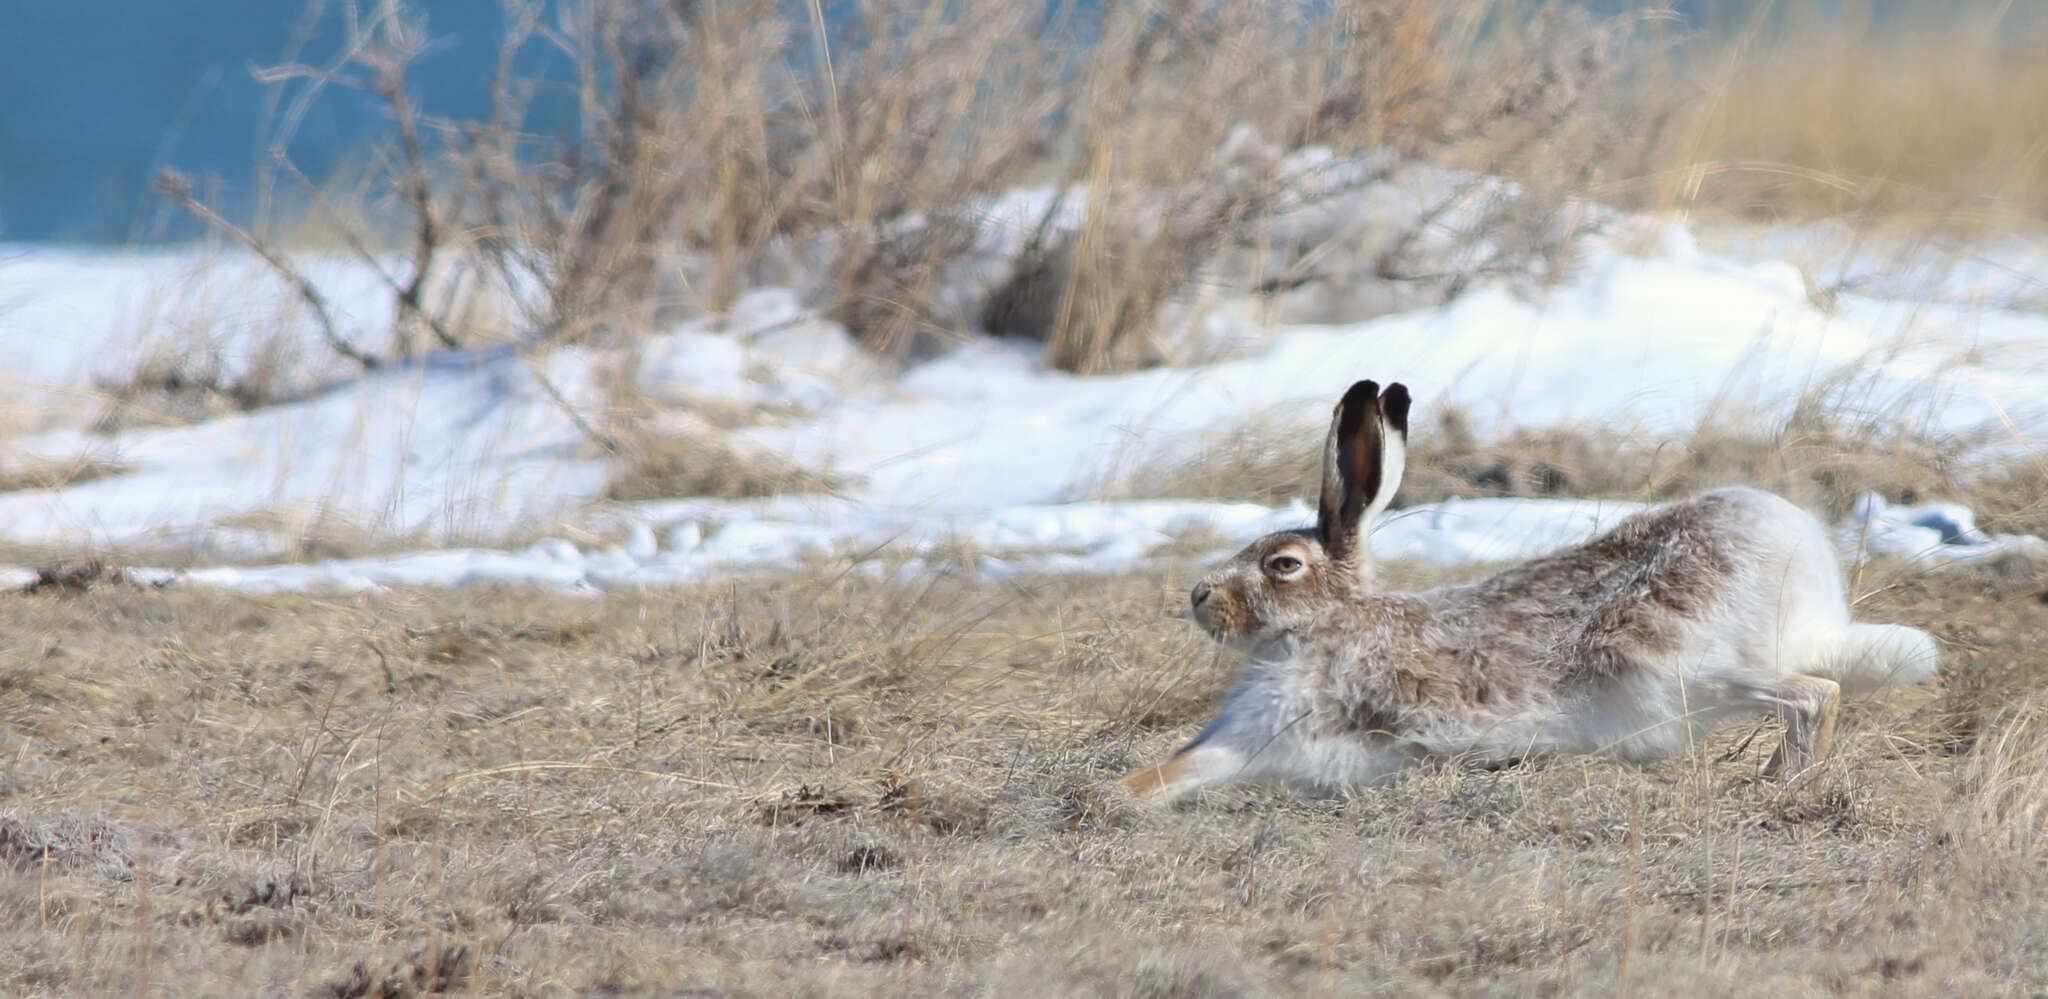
{"points": [[390, 59], [1770, 886], [407, 295], [611, 444], [176, 187], [449, 783]]}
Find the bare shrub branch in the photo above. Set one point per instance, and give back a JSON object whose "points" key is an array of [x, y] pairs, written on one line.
{"points": [[177, 188], [861, 156]]}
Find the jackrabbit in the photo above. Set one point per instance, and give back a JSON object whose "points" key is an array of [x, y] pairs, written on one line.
{"points": [[1633, 643]]}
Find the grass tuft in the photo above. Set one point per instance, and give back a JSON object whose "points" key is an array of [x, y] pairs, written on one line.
{"points": [[699, 461], [21, 476]]}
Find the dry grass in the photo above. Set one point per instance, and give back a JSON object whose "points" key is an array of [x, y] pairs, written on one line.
{"points": [[43, 473], [1818, 459], [849, 153], [1933, 114], [2016, 501], [1271, 461], [825, 785], [701, 462]]}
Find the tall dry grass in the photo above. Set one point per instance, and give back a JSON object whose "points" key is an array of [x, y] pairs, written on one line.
{"points": [[1917, 113], [720, 146], [1819, 457], [856, 152]]}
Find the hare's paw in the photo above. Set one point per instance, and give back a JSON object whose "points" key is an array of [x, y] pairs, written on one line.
{"points": [[1183, 774], [1807, 705]]}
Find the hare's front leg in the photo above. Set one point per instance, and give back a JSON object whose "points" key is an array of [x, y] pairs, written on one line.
{"points": [[1807, 704], [1198, 766]]}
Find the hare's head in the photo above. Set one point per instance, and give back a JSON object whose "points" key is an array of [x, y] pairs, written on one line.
{"points": [[1284, 581]]}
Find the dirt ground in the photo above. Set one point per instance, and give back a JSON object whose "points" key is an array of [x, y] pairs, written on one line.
{"points": [[839, 784]]}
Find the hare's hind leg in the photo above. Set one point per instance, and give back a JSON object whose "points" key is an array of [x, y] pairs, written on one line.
{"points": [[1807, 704]]}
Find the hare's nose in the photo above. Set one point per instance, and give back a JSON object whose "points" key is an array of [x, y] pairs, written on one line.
{"points": [[1199, 594]]}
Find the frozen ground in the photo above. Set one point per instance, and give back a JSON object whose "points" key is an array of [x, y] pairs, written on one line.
{"points": [[979, 459]]}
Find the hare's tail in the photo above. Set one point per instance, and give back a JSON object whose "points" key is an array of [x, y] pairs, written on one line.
{"points": [[1865, 657]]}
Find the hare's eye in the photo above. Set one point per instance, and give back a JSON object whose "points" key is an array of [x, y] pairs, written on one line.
{"points": [[1283, 565]]}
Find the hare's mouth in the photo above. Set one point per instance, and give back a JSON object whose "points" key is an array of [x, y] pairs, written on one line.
{"points": [[1216, 625]]}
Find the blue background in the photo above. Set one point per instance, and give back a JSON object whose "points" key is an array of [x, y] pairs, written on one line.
{"points": [[97, 95]]}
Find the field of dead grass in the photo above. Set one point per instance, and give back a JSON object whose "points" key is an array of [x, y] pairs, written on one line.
{"points": [[838, 785]]}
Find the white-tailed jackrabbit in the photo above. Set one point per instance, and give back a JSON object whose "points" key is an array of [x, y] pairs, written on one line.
{"points": [[1632, 643]]}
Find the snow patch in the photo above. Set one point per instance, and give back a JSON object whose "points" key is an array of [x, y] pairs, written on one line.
{"points": [[1928, 533], [463, 444], [702, 540]]}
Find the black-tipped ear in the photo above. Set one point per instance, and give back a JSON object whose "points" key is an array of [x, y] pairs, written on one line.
{"points": [[1351, 470], [1362, 464], [1394, 407]]}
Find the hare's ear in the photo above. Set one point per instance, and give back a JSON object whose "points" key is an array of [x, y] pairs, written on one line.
{"points": [[1362, 462]]}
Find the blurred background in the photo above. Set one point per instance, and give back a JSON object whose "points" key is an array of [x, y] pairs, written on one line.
{"points": [[1796, 108], [655, 249], [100, 95]]}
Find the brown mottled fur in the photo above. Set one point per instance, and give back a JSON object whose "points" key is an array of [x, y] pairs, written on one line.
{"points": [[1518, 640]]}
